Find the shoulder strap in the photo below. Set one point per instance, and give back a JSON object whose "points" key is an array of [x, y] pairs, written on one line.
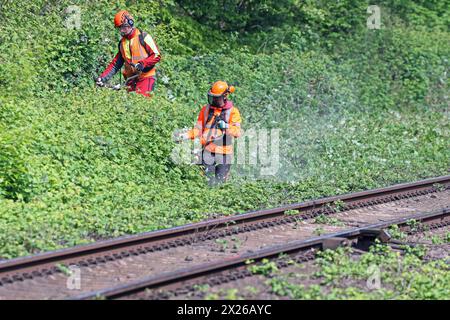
{"points": [[226, 115], [142, 35], [207, 115]]}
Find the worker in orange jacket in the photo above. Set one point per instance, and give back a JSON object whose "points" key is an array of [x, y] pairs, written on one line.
{"points": [[217, 123], [138, 52]]}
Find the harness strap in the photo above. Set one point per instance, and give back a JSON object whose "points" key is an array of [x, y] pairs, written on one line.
{"points": [[142, 35], [224, 115]]}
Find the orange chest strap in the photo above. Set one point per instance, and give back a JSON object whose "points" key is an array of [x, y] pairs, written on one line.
{"points": [[210, 119]]}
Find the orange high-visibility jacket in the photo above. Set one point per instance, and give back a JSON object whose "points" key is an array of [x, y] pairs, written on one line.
{"points": [[132, 51], [206, 131]]}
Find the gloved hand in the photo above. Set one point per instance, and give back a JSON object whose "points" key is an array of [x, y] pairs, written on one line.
{"points": [[223, 125], [139, 66], [99, 82]]}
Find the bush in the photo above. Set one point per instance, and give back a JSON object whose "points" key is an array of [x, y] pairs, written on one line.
{"points": [[356, 109]]}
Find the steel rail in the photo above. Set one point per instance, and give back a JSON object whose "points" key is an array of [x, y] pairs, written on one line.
{"points": [[353, 200], [179, 276]]}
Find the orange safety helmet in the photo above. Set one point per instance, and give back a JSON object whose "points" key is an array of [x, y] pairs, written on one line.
{"points": [[220, 88], [218, 93], [123, 17]]}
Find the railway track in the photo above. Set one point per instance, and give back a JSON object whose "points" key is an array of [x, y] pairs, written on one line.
{"points": [[297, 275], [184, 281], [121, 261]]}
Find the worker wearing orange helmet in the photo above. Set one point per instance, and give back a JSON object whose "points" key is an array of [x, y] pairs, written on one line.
{"points": [[137, 52], [217, 123]]}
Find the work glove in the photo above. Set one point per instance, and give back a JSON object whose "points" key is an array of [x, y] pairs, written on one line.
{"points": [[99, 82], [139, 66], [223, 125]]}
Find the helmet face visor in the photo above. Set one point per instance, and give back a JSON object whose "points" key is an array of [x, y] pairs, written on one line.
{"points": [[216, 101], [125, 29]]}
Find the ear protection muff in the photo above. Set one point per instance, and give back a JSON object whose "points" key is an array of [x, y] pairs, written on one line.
{"points": [[130, 22]]}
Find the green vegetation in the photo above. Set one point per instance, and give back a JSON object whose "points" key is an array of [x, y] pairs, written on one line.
{"points": [[340, 275], [381, 273], [356, 109], [291, 212], [229, 294], [266, 267], [223, 244], [325, 219], [413, 224], [339, 205], [64, 269], [319, 231], [439, 239], [396, 233]]}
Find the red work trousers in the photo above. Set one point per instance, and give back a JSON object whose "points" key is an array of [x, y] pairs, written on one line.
{"points": [[142, 86]]}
